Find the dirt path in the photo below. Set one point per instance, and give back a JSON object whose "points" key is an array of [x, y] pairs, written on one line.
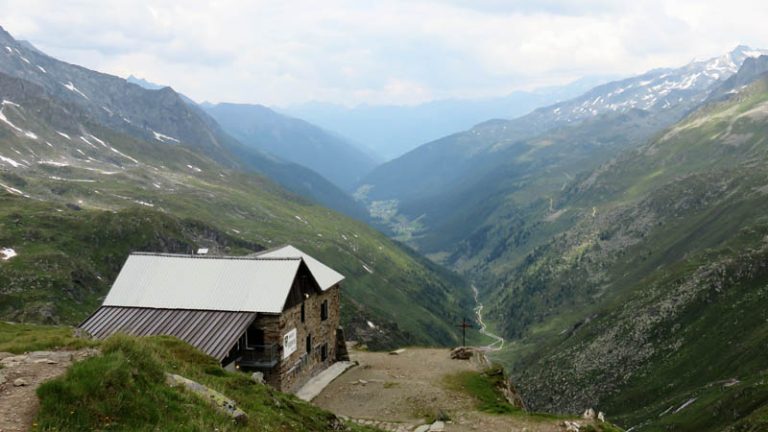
{"points": [[19, 403], [402, 390], [495, 346]]}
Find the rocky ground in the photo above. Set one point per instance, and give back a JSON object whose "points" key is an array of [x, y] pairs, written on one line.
{"points": [[409, 392], [20, 376]]}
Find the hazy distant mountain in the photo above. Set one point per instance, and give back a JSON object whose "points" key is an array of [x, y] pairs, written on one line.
{"points": [[393, 130], [295, 140]]}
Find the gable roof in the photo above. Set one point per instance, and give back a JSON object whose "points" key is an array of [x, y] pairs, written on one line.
{"points": [[325, 276], [239, 284]]}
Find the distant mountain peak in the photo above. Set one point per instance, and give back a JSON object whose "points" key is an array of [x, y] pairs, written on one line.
{"points": [[656, 90], [141, 82]]}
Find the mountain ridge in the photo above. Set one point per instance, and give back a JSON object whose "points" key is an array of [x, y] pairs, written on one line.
{"points": [[295, 140], [161, 116]]}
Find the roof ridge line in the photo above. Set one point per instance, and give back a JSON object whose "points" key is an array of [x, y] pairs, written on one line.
{"points": [[220, 257]]}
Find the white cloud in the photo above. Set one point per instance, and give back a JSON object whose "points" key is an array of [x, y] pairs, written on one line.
{"points": [[366, 51]]}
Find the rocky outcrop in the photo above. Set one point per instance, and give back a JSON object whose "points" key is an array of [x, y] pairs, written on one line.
{"points": [[462, 353], [218, 400]]}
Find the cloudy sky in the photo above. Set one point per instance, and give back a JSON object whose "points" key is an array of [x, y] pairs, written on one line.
{"points": [[379, 52]]}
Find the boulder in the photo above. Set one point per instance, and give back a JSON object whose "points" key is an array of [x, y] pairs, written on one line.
{"points": [[437, 426], [462, 353], [258, 377], [601, 416], [218, 400], [20, 382], [589, 414]]}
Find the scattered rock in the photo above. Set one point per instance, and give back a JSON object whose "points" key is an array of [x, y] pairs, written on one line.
{"points": [[601, 416], [20, 382], [258, 377], [437, 426], [422, 428], [571, 426], [589, 414], [397, 351], [2, 379], [462, 353], [13, 360]]}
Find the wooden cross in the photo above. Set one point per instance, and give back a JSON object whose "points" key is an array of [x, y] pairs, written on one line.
{"points": [[464, 326]]}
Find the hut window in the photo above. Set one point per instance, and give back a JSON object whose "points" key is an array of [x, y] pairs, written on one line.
{"points": [[309, 343], [324, 352], [255, 337], [303, 315], [324, 310]]}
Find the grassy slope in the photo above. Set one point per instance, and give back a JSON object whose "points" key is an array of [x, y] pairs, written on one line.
{"points": [[654, 293], [124, 390]]}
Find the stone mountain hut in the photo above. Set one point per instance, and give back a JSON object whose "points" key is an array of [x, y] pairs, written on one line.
{"points": [[276, 312]]}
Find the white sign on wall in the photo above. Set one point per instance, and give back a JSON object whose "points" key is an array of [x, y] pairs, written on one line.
{"points": [[289, 343]]}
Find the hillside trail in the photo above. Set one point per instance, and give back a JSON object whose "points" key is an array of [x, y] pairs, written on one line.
{"points": [[399, 392], [498, 343], [21, 375]]}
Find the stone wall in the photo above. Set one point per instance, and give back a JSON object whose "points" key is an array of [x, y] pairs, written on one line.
{"points": [[292, 372]]}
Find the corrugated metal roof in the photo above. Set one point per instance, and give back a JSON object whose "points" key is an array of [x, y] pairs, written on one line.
{"points": [[325, 276], [204, 282], [213, 332]]}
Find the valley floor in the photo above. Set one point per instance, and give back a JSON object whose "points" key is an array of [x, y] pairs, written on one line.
{"points": [[411, 388]]}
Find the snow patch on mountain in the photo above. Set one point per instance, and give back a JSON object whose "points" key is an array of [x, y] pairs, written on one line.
{"points": [[103, 144], [123, 155], [165, 138], [88, 142], [53, 163], [13, 190], [5, 120], [71, 87], [7, 253], [10, 161]]}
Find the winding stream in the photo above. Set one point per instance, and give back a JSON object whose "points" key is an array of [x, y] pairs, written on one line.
{"points": [[499, 341]]}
